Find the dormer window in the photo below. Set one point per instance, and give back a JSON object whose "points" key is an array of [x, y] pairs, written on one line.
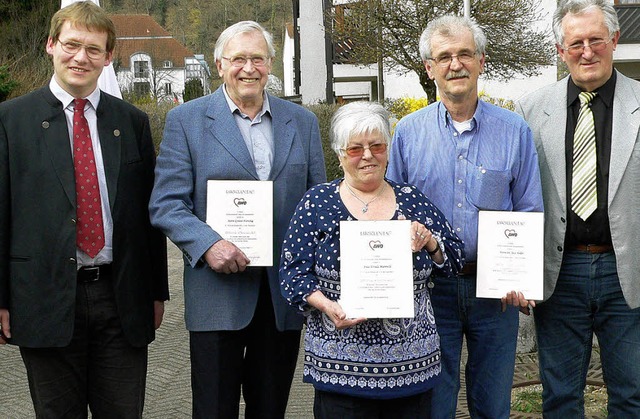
{"points": [[167, 64]]}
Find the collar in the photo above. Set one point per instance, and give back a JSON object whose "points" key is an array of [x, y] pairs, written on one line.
{"points": [[445, 117], [66, 99], [266, 107], [606, 91]]}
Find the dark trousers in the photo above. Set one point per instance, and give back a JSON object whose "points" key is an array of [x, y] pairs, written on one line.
{"points": [[259, 359], [99, 368], [339, 406]]}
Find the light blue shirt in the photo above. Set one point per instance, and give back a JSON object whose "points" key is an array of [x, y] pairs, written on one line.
{"points": [[491, 166], [257, 134]]}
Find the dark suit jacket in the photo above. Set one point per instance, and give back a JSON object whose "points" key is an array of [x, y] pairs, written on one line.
{"points": [[37, 219]]}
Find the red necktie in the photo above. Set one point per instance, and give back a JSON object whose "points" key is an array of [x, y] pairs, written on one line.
{"points": [[89, 229]]}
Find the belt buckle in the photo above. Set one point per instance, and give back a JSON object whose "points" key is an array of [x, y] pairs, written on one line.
{"points": [[92, 270]]}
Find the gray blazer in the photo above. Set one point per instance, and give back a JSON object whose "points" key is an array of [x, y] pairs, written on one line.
{"points": [[546, 112], [202, 142]]}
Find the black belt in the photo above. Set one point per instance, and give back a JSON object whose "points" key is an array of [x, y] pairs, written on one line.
{"points": [[469, 268], [592, 248], [94, 273]]}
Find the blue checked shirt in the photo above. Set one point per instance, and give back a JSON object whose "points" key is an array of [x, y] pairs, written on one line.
{"points": [[492, 166]]}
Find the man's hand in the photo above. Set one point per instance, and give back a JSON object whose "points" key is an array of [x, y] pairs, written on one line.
{"points": [[5, 328], [517, 299], [225, 257], [158, 313]]}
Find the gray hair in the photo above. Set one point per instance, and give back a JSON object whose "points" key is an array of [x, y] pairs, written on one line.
{"points": [[245, 26], [357, 118], [449, 26], [577, 7]]}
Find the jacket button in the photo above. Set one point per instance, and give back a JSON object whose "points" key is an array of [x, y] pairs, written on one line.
{"points": [[73, 221], [72, 260], [559, 248]]}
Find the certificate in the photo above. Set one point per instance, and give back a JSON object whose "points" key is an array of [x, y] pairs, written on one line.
{"points": [[376, 269], [510, 254], [241, 211]]}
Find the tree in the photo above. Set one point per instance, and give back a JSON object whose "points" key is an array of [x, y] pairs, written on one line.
{"points": [[192, 89], [391, 29]]}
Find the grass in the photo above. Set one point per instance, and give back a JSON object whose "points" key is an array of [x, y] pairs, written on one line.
{"points": [[529, 400]]}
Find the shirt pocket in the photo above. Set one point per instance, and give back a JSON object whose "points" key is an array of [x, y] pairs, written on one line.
{"points": [[489, 189]]}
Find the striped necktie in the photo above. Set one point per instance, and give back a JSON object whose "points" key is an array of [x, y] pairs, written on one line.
{"points": [[584, 194]]}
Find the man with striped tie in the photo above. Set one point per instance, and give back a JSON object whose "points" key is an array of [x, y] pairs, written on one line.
{"points": [[587, 130]]}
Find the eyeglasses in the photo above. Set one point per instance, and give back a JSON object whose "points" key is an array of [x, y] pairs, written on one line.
{"points": [[257, 61], [358, 150], [577, 49], [73, 48], [463, 58]]}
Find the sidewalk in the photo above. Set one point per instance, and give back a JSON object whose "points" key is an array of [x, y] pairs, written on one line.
{"points": [[168, 381]]}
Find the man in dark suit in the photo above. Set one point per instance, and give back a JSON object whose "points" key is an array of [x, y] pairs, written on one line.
{"points": [[242, 331], [83, 275], [587, 132]]}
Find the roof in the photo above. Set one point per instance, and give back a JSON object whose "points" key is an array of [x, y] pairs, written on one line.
{"points": [[629, 18], [140, 33]]}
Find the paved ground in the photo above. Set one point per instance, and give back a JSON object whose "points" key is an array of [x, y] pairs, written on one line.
{"points": [[168, 386]]}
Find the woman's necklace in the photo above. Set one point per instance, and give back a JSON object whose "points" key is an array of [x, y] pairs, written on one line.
{"points": [[365, 207]]}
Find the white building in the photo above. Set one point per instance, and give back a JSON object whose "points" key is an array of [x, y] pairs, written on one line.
{"points": [[149, 61], [349, 81]]}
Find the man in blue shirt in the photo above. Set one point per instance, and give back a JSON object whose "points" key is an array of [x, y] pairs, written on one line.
{"points": [[467, 155]]}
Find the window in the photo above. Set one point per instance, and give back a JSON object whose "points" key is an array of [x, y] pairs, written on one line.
{"points": [[140, 69], [627, 2], [167, 64], [141, 89], [167, 88]]}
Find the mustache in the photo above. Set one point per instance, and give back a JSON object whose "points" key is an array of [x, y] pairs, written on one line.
{"points": [[457, 74]]}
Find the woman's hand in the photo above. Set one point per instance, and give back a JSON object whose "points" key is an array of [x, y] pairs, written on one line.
{"points": [[421, 237], [333, 310]]}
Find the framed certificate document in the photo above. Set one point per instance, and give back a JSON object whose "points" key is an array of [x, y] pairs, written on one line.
{"points": [[376, 269], [241, 211], [510, 254]]}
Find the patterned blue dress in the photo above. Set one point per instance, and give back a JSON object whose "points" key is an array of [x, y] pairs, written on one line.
{"points": [[379, 358]]}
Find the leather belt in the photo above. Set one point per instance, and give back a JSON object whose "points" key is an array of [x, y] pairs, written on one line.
{"points": [[94, 273], [469, 268], [592, 248]]}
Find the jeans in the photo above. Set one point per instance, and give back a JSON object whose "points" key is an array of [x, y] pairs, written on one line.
{"points": [[491, 337], [587, 300]]}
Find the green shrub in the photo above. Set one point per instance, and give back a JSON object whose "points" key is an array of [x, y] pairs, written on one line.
{"points": [[157, 114], [324, 113]]}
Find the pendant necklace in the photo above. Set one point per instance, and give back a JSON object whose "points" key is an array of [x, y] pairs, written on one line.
{"points": [[365, 207]]}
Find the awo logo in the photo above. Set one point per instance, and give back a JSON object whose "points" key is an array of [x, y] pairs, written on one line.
{"points": [[375, 244], [239, 201], [510, 233]]}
